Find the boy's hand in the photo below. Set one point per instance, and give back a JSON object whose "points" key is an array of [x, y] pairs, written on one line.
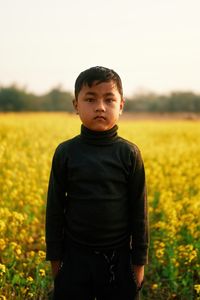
{"points": [[55, 267], [139, 274]]}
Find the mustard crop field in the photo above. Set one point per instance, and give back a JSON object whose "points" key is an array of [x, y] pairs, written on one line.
{"points": [[171, 153]]}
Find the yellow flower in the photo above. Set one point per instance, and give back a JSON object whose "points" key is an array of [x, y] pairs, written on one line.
{"points": [[197, 288], [13, 245], [2, 268], [41, 254], [2, 225], [42, 272], [31, 295], [31, 254], [154, 286], [172, 163], [2, 244], [30, 240], [24, 290], [42, 239], [18, 251], [159, 253], [18, 217], [29, 279]]}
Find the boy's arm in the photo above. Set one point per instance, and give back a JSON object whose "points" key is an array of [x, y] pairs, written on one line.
{"points": [[138, 272], [55, 267], [55, 209], [138, 215]]}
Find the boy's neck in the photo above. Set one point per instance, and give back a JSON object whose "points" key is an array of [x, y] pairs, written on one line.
{"points": [[99, 137]]}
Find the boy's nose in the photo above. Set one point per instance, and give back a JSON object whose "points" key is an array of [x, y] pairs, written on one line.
{"points": [[100, 106]]}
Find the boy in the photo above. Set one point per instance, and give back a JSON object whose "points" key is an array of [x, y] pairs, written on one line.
{"points": [[96, 218]]}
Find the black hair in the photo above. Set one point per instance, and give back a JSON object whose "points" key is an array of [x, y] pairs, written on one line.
{"points": [[99, 74]]}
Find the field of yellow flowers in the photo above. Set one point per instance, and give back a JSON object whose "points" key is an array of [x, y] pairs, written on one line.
{"points": [[171, 153]]}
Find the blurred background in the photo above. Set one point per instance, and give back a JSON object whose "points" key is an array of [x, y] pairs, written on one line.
{"points": [[153, 45]]}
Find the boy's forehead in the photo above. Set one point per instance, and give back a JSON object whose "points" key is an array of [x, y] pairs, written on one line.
{"points": [[100, 87]]}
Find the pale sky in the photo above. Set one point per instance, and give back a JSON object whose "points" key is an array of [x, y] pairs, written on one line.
{"points": [[152, 44]]}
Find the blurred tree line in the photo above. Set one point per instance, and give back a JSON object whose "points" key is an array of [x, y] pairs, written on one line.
{"points": [[13, 98], [173, 102], [18, 99]]}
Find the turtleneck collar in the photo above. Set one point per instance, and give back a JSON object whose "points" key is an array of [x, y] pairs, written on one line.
{"points": [[99, 137]]}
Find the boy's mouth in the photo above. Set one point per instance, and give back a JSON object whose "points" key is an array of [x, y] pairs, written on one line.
{"points": [[100, 118]]}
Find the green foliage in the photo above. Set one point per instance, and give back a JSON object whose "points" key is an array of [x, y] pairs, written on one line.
{"points": [[17, 99], [174, 102], [13, 99]]}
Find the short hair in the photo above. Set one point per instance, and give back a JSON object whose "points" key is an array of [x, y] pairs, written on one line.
{"points": [[99, 74]]}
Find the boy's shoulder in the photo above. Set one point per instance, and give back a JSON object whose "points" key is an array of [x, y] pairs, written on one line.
{"points": [[66, 145], [128, 145], [130, 151]]}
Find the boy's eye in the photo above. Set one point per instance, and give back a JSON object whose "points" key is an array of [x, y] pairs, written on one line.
{"points": [[110, 100], [89, 99]]}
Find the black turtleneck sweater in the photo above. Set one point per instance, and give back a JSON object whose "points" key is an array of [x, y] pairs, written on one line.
{"points": [[97, 195]]}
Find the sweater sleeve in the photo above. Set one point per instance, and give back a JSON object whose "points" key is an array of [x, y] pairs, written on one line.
{"points": [[55, 208], [138, 210]]}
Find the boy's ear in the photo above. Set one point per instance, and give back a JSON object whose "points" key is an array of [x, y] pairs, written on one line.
{"points": [[75, 104], [122, 105]]}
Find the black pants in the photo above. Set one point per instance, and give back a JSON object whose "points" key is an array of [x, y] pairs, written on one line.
{"points": [[90, 275]]}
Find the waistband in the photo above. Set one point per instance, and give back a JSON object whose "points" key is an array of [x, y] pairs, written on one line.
{"points": [[70, 244]]}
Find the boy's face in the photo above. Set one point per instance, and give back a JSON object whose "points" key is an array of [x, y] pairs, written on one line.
{"points": [[99, 106]]}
